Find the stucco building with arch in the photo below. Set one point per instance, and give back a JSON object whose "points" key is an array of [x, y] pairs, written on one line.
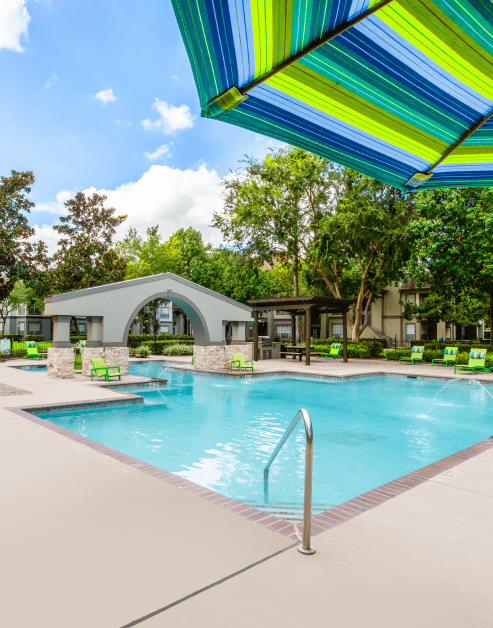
{"points": [[110, 310]]}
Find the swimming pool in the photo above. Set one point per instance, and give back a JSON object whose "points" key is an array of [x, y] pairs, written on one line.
{"points": [[219, 431]]}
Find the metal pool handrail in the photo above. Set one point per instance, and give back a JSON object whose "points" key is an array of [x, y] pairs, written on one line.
{"points": [[304, 547]]}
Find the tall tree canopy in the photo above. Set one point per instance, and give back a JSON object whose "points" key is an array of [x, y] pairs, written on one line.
{"points": [[274, 207], [350, 233], [86, 256], [19, 258], [365, 244], [231, 273], [454, 231]]}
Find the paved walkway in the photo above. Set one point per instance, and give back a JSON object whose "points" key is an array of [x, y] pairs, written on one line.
{"points": [[86, 542]]}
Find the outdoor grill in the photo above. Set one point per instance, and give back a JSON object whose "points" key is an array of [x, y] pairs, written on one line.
{"points": [[265, 340]]}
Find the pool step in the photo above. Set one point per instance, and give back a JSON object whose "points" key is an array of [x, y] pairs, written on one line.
{"points": [[287, 511]]}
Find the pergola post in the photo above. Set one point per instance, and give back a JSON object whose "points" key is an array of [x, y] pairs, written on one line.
{"points": [[255, 336], [344, 337], [308, 325], [293, 332]]}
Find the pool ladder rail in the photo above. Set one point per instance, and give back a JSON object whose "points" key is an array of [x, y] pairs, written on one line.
{"points": [[303, 547]]}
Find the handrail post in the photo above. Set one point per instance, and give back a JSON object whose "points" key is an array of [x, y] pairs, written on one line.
{"points": [[303, 547]]}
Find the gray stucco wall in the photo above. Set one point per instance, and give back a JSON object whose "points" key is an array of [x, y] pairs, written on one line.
{"points": [[120, 302]]}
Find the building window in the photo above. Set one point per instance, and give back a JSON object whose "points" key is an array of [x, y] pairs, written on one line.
{"points": [[20, 327], [284, 331], [411, 298], [82, 328], [34, 327], [422, 298], [337, 330], [34, 311], [164, 329], [410, 331], [21, 310]]}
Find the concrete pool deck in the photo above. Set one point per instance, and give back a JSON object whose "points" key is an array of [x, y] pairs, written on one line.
{"points": [[88, 541]]}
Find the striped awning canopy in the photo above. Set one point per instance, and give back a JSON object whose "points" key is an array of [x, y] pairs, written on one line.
{"points": [[400, 90]]}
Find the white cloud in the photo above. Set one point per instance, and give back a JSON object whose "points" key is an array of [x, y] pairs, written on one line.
{"points": [[159, 152], [122, 122], [169, 197], [48, 235], [57, 206], [51, 81], [14, 19], [172, 118], [105, 96]]}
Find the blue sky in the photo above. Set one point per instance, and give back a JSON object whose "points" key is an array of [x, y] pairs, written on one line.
{"points": [[100, 96]]}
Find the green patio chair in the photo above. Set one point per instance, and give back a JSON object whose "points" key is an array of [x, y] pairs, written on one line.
{"points": [[33, 353], [100, 369], [238, 362], [416, 355], [334, 351], [449, 356], [476, 362]]}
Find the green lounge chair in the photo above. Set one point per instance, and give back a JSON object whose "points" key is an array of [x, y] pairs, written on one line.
{"points": [[100, 369], [449, 356], [239, 362], [334, 351], [476, 362], [33, 353], [416, 355]]}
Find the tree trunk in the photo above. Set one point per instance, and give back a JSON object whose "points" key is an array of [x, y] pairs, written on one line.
{"points": [[297, 294], [491, 319]]}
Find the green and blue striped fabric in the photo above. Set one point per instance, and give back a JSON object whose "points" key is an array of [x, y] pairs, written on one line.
{"points": [[388, 97]]}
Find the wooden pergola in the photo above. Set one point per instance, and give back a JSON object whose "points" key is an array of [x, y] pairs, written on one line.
{"points": [[299, 306]]}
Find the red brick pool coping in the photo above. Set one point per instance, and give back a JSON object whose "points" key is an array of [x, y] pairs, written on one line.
{"points": [[320, 523]]}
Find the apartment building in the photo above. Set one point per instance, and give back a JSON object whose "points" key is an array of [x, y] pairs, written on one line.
{"points": [[385, 320], [170, 319]]}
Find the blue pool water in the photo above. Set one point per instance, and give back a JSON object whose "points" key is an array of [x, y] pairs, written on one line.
{"points": [[219, 431]]}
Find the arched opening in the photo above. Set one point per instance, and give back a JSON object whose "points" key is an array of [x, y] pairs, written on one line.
{"points": [[201, 333]]}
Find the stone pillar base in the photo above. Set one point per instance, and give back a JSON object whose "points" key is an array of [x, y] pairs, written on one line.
{"points": [[112, 356], [61, 362], [216, 358]]}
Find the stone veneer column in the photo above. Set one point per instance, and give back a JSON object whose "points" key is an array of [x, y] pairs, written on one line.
{"points": [[61, 355], [61, 362], [112, 356], [117, 356], [216, 358]]}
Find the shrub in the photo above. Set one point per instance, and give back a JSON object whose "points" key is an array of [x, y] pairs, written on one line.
{"points": [[175, 349], [13, 337], [142, 351], [353, 350], [160, 344], [395, 354], [74, 339], [34, 338], [134, 339]]}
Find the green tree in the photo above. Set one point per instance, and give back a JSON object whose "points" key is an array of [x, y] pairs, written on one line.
{"points": [[365, 244], [19, 258], [274, 207], [466, 311], [454, 231], [150, 256], [86, 256], [234, 274], [19, 295]]}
